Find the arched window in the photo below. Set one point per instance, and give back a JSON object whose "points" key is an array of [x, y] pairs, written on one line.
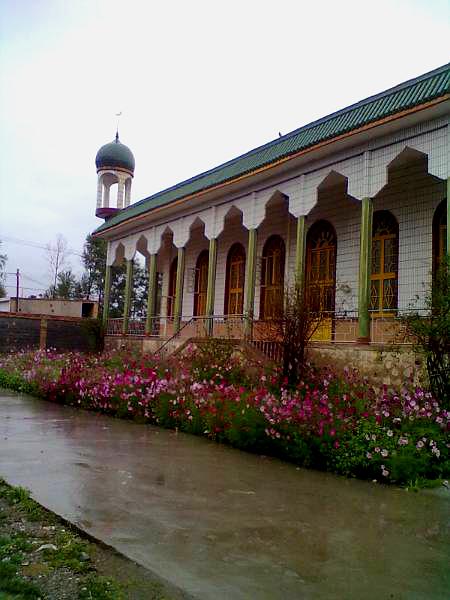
{"points": [[234, 281], [384, 277], [201, 284], [439, 235], [172, 288], [272, 278], [321, 243]]}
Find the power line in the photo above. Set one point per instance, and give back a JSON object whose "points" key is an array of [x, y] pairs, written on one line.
{"points": [[13, 240], [25, 288], [31, 278]]}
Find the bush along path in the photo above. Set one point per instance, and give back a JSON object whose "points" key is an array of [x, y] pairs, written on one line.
{"points": [[328, 421], [43, 558]]}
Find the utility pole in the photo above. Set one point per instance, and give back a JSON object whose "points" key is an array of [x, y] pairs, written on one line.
{"points": [[17, 289]]}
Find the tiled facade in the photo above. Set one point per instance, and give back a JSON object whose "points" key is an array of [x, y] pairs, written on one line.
{"points": [[404, 168]]}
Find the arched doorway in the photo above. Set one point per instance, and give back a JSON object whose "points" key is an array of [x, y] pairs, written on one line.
{"points": [[321, 247], [172, 288], [201, 284], [272, 278], [439, 236], [234, 281], [384, 276]]}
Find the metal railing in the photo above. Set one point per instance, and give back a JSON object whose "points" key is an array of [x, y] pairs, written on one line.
{"points": [[334, 327]]}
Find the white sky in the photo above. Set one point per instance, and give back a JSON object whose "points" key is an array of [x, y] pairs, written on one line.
{"points": [[199, 82]]}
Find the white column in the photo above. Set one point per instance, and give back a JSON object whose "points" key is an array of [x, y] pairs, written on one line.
{"points": [[99, 192], [120, 193]]}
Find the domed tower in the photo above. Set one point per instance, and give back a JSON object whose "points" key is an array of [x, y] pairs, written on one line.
{"points": [[115, 165]]}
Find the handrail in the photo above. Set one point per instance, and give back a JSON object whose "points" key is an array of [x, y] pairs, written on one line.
{"points": [[176, 334]]}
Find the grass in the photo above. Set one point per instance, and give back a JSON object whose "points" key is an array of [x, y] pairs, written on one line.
{"points": [[100, 573], [18, 549]]}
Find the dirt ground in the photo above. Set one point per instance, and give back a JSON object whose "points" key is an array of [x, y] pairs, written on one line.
{"points": [[43, 557]]}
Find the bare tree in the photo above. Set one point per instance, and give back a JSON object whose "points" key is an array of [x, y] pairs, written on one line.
{"points": [[57, 254], [296, 320]]}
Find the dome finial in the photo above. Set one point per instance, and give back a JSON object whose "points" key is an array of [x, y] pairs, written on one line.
{"points": [[118, 115]]}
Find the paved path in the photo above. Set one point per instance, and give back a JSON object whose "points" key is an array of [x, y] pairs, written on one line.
{"points": [[220, 523]]}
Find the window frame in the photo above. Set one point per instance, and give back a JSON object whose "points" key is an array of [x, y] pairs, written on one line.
{"points": [[236, 251], [382, 276]]}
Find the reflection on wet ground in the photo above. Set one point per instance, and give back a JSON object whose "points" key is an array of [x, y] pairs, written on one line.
{"points": [[220, 523]]}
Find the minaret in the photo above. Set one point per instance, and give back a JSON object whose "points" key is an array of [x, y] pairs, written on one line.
{"points": [[115, 165]]}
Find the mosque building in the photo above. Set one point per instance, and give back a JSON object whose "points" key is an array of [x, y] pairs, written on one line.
{"points": [[354, 206]]}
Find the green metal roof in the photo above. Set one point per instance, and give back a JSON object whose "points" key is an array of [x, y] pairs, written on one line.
{"points": [[399, 98]]}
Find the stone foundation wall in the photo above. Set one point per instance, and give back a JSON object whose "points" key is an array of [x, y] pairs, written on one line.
{"points": [[382, 364]]}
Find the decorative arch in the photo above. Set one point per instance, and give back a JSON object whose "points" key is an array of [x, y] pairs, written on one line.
{"points": [[439, 235], [234, 281], [172, 287], [201, 283], [321, 250], [272, 277], [384, 274]]}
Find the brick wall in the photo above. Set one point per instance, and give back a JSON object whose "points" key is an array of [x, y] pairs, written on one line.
{"points": [[20, 332]]}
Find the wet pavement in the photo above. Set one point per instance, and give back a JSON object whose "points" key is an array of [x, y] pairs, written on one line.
{"points": [[220, 523]]}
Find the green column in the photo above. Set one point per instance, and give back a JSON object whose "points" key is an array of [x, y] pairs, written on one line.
{"points": [[179, 290], [365, 252], [127, 299], [300, 251], [250, 276], [210, 293], [448, 216], [106, 295], [151, 298]]}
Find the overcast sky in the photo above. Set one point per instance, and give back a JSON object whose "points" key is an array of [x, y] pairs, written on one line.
{"points": [[198, 82]]}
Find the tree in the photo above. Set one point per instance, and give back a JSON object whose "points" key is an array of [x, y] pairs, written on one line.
{"points": [[139, 293], [3, 259], [66, 285], [94, 262], [431, 333], [93, 280], [296, 320], [57, 254]]}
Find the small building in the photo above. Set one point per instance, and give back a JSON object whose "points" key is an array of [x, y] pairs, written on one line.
{"points": [[355, 206], [4, 304], [56, 307]]}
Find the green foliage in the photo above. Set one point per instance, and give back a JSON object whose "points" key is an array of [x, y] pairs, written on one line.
{"points": [[93, 331], [212, 359], [13, 549], [432, 334], [100, 588], [68, 554], [14, 381], [20, 497], [94, 262], [139, 292]]}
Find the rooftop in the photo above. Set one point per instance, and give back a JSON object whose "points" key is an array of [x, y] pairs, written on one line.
{"points": [[407, 95]]}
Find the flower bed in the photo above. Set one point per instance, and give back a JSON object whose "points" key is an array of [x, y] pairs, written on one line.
{"points": [[337, 423]]}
